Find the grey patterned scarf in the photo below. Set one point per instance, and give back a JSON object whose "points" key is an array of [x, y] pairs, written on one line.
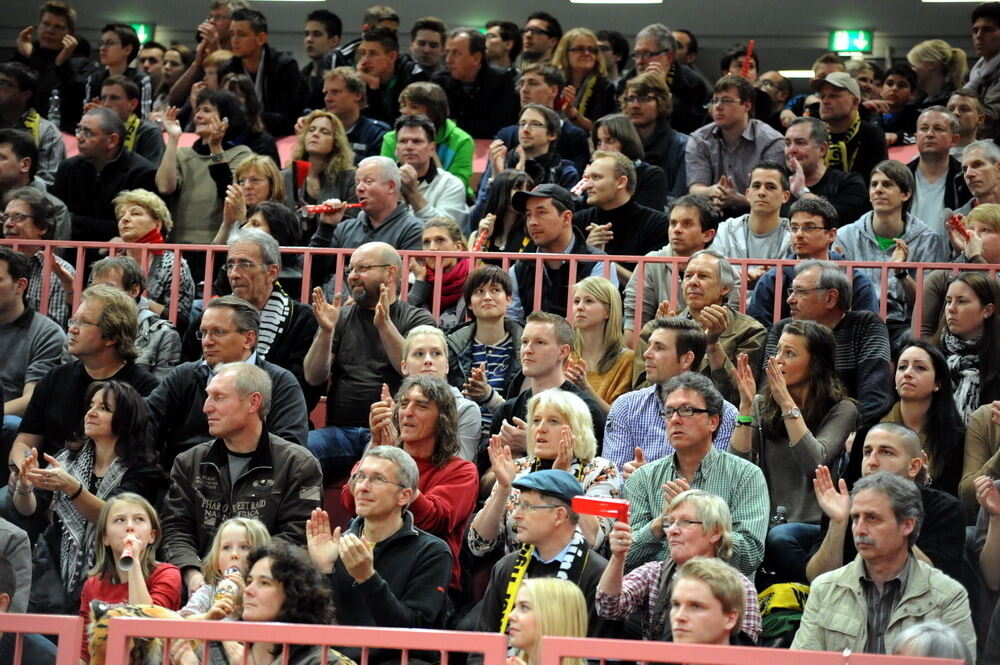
{"points": [[963, 363]]}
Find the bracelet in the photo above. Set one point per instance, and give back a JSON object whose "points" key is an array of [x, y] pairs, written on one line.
{"points": [[22, 492], [74, 495], [744, 420]]}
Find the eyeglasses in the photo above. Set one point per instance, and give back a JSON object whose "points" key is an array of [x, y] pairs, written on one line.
{"points": [[375, 480], [240, 264], [16, 217], [684, 524], [531, 124], [639, 99], [536, 31], [532, 507], [765, 83], [593, 50], [799, 291], [85, 133], [214, 334], [805, 228], [643, 55], [362, 269], [722, 101], [76, 323], [683, 412]]}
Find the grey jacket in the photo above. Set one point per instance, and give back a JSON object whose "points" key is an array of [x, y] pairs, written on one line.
{"points": [[857, 240]]}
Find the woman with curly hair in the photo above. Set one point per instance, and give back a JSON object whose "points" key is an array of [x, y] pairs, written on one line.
{"points": [[143, 217], [969, 336], [322, 166], [282, 586], [116, 456], [588, 94], [601, 363], [560, 436], [423, 420], [800, 420]]}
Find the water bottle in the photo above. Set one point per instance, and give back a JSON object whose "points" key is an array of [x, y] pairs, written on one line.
{"points": [[780, 516], [55, 110], [226, 588]]}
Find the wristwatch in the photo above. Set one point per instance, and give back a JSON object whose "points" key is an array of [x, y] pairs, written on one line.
{"points": [[792, 413], [902, 273], [802, 190], [217, 158]]}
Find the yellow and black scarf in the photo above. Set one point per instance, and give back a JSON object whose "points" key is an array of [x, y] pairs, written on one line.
{"points": [[131, 131], [837, 155]]}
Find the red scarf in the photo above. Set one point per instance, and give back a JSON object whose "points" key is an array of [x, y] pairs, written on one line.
{"points": [[154, 237], [454, 281]]}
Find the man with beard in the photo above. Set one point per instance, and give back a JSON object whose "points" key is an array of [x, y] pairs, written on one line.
{"points": [[361, 346]]}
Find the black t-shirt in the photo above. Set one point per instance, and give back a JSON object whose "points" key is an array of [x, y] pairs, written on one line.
{"points": [[845, 190], [942, 533], [360, 364], [638, 230], [56, 408]]}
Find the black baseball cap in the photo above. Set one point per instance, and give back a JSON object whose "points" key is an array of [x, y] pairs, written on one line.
{"points": [[547, 191]]}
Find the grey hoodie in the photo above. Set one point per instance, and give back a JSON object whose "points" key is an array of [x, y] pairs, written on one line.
{"points": [[857, 242]]}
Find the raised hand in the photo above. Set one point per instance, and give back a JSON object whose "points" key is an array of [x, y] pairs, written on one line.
{"points": [[24, 44], [170, 124], [235, 206], [835, 500], [779, 388], [620, 539], [382, 307], [714, 319], [501, 461], [798, 179], [564, 457], [326, 313], [337, 215], [209, 36], [69, 44], [987, 494], [54, 477], [418, 268], [356, 553], [745, 381], [637, 461], [672, 488], [902, 251], [380, 420], [476, 387], [663, 310], [498, 156], [576, 371], [599, 235], [514, 435], [322, 543]]}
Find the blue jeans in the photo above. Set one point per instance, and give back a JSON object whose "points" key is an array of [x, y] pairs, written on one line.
{"points": [[787, 549], [338, 448]]}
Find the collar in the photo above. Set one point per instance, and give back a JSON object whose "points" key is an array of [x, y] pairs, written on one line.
{"points": [[208, 371], [431, 172], [400, 208], [706, 465], [903, 575], [559, 555], [261, 456], [23, 321]]}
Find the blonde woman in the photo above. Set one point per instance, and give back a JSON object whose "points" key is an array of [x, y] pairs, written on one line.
{"points": [[560, 436], [601, 363], [545, 606], [323, 163], [588, 94], [940, 70], [256, 179], [143, 217]]}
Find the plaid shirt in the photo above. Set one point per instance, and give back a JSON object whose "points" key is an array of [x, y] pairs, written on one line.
{"points": [[58, 305], [881, 604], [739, 482], [636, 420], [643, 583]]}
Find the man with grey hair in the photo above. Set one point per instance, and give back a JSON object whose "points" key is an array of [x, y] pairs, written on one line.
{"points": [[360, 346], [244, 471], [228, 331], [820, 292], [692, 408], [813, 227], [939, 184], [384, 216], [981, 172], [286, 327], [896, 449], [807, 140], [655, 51], [89, 182], [865, 605], [708, 281], [404, 587]]}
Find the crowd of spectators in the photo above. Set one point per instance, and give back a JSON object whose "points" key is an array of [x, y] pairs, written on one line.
{"points": [[810, 454]]}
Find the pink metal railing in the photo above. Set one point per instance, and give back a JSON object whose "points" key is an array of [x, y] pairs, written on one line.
{"points": [[342, 257], [69, 629], [554, 649]]}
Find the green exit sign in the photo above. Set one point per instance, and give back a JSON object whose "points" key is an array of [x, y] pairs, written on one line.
{"points": [[851, 41], [144, 31]]}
